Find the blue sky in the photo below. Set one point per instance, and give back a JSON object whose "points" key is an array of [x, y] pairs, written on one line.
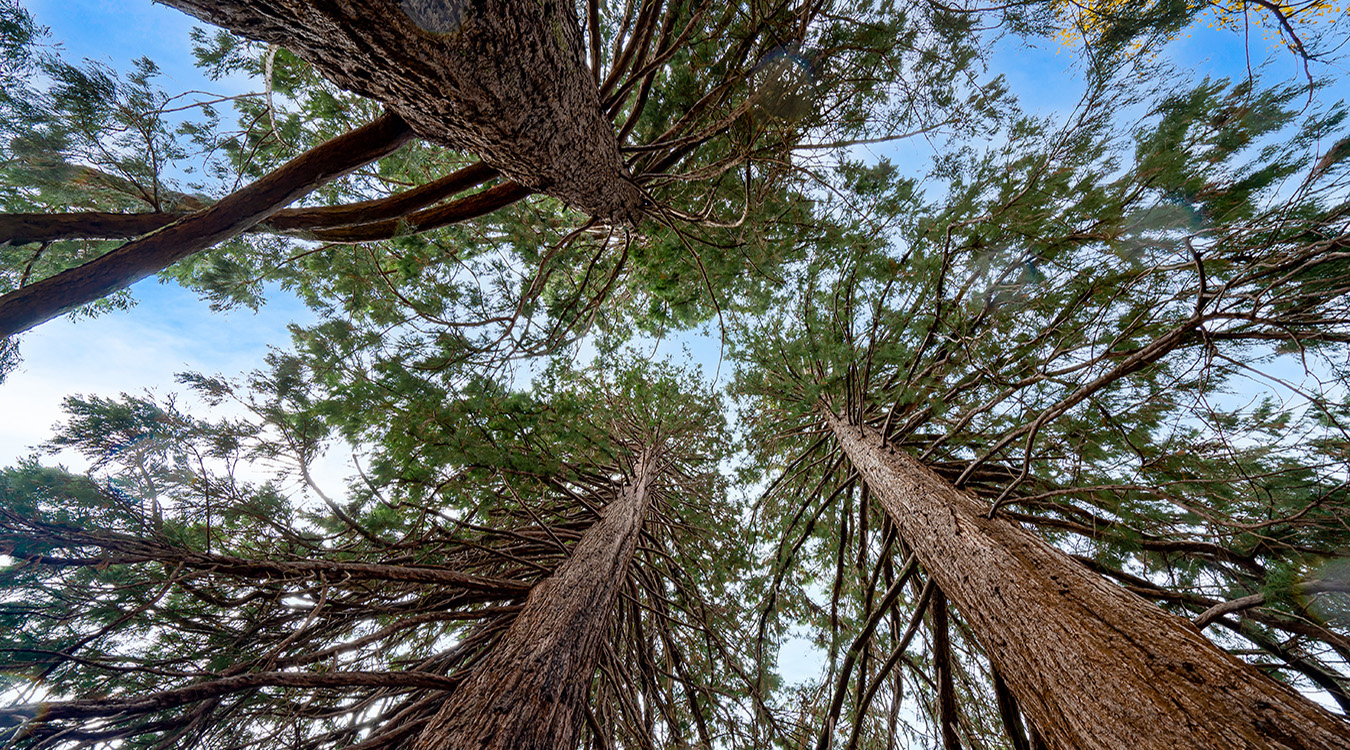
{"points": [[117, 31], [129, 352], [170, 330]]}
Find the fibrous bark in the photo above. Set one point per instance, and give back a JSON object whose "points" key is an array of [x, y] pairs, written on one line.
{"points": [[501, 79], [26, 307], [1092, 665], [530, 693]]}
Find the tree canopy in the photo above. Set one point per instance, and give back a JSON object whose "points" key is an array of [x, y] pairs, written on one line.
{"points": [[1037, 440]]}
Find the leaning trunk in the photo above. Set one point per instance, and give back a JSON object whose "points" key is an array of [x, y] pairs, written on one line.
{"points": [[37, 303], [1091, 664], [503, 79], [530, 693]]}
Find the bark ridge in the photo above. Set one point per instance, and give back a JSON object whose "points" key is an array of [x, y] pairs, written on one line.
{"points": [[531, 692], [1093, 665], [503, 79]]}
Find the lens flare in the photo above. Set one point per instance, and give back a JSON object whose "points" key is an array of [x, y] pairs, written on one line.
{"points": [[785, 84], [435, 16], [1329, 599]]}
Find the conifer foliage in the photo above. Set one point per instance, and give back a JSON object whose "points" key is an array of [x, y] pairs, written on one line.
{"points": [[1039, 444]]}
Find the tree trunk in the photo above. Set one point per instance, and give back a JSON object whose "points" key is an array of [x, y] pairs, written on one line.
{"points": [[1092, 665], [28, 306], [530, 693], [503, 79]]}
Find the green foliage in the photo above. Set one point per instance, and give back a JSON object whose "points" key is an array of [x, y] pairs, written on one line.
{"points": [[1065, 317], [992, 331], [159, 538], [18, 35]]}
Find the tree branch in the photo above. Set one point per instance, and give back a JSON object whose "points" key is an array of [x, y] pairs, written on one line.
{"points": [[942, 664], [22, 229], [86, 709], [1204, 619], [37, 303]]}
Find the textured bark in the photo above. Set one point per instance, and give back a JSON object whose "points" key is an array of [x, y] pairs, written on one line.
{"points": [[530, 693], [21, 229], [26, 307], [503, 79], [452, 212], [1092, 665]]}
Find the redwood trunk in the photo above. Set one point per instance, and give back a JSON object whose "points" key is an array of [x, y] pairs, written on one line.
{"points": [[503, 79], [1091, 664], [530, 693]]}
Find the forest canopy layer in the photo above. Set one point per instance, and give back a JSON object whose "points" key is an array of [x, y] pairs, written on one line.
{"points": [[1009, 425]]}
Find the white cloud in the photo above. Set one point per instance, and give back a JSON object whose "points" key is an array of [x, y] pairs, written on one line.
{"points": [[171, 331]]}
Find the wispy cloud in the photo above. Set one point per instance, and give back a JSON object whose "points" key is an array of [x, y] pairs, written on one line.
{"points": [[130, 352]]}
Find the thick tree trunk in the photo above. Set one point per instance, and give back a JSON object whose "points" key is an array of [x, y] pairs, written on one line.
{"points": [[1092, 665], [24, 308], [530, 693], [503, 79]]}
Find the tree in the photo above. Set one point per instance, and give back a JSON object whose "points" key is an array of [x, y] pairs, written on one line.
{"points": [[532, 691], [504, 81], [701, 151], [1066, 640], [155, 251], [1054, 338], [484, 616], [1004, 395]]}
